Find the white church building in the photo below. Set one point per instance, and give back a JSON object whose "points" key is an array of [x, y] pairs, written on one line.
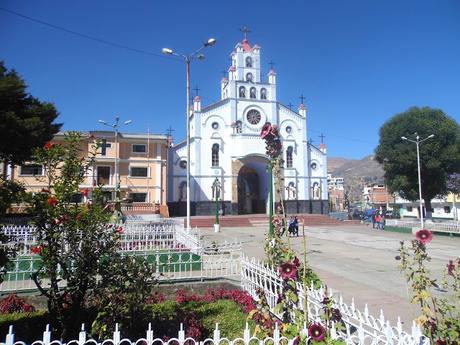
{"points": [[225, 144]]}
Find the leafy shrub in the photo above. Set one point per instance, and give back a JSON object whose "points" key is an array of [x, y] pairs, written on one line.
{"points": [[14, 304], [27, 327]]}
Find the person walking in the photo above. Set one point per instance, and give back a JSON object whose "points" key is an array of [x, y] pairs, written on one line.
{"points": [[378, 218], [382, 221]]}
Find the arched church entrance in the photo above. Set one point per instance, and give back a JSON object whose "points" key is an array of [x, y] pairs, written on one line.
{"points": [[250, 193]]}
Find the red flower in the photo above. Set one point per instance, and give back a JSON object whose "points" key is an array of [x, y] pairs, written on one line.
{"points": [[52, 201], [265, 133], [316, 332], [84, 192], [119, 230], [48, 145], [36, 250], [441, 342], [424, 236], [288, 271]]}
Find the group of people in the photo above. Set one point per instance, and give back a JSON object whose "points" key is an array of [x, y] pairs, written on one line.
{"points": [[378, 220], [293, 227]]}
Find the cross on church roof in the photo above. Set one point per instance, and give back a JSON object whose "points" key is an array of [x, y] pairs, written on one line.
{"points": [[196, 89], [290, 105], [271, 63], [322, 136], [224, 74], [245, 30], [169, 131], [302, 98], [310, 140]]}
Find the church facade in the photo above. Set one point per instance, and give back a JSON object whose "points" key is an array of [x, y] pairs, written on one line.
{"points": [[225, 146]]}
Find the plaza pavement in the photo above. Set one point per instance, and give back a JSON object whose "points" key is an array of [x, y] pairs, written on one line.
{"points": [[355, 260]]}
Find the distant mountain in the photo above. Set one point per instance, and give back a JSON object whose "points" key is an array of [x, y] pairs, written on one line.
{"points": [[357, 173]]}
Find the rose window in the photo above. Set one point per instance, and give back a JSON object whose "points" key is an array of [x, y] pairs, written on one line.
{"points": [[253, 117]]}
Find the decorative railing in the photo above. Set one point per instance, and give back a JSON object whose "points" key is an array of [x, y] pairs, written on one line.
{"points": [[360, 326], [174, 253], [437, 227], [181, 339]]}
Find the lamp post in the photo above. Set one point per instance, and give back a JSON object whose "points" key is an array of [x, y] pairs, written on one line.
{"points": [[115, 126], [216, 188], [417, 142], [187, 59]]}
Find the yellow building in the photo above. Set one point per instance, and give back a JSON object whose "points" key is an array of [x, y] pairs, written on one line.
{"points": [[141, 167]]}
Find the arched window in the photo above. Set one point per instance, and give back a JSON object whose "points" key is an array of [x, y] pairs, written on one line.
{"points": [[263, 93], [242, 92], [249, 77], [215, 155], [182, 190], [253, 92], [248, 61], [289, 157]]}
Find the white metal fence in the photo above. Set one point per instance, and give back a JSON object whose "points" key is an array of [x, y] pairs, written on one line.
{"points": [[360, 326], [174, 253], [181, 339], [453, 228]]}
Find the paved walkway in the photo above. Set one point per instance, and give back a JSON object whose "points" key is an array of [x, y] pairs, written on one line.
{"points": [[355, 260]]}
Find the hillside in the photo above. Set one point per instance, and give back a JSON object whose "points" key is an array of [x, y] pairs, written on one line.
{"points": [[356, 172]]}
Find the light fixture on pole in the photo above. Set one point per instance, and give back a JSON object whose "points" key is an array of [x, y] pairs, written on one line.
{"points": [[115, 126], [187, 59], [417, 142]]}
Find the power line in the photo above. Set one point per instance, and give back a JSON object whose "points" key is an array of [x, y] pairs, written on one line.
{"points": [[79, 34]]}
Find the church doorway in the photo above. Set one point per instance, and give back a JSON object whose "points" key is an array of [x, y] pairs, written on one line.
{"points": [[249, 199]]}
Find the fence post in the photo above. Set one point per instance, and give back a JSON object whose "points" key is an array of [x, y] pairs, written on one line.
{"points": [[246, 334], [216, 337], [10, 336], [47, 335], [149, 335], [181, 335], [116, 335], [82, 335]]}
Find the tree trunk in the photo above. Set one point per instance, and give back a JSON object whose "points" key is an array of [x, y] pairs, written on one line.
{"points": [[428, 213]]}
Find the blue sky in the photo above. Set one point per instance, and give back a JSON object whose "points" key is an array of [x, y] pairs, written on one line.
{"points": [[356, 62]]}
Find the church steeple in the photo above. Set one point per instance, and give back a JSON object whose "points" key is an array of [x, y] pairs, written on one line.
{"points": [[246, 60]]}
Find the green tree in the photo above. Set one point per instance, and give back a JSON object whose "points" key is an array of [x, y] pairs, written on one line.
{"points": [[75, 241], [25, 122], [439, 156]]}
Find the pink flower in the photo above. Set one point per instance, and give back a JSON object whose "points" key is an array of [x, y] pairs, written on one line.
{"points": [[277, 222], [450, 268], [296, 261], [288, 271], [316, 332], [265, 133], [52, 201], [119, 230], [424, 236]]}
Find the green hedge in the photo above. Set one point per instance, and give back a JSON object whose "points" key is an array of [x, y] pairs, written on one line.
{"points": [[27, 327]]}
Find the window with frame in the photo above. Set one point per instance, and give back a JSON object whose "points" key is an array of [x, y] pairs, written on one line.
{"points": [[248, 61], [289, 157], [31, 170], [215, 155], [242, 92], [104, 146], [409, 208], [446, 209], [139, 172], [138, 197], [139, 148]]}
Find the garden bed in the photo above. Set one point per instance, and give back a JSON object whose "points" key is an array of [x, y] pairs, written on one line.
{"points": [[198, 308]]}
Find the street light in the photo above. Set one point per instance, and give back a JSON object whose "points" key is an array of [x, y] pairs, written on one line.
{"points": [[417, 142], [115, 126], [187, 59]]}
